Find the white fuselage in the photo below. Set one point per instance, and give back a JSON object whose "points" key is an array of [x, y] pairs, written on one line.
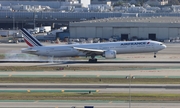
{"points": [[122, 47]]}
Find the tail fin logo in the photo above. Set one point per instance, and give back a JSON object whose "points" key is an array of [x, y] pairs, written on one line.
{"points": [[29, 39]]}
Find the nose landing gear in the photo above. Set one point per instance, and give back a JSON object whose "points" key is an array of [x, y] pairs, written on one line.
{"points": [[155, 55]]}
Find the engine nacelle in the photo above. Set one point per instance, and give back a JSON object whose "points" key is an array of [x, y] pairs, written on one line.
{"points": [[110, 54]]}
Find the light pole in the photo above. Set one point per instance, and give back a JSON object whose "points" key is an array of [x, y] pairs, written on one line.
{"points": [[35, 16], [34, 20], [13, 21], [130, 77]]}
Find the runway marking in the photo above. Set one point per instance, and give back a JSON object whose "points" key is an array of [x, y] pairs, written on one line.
{"points": [[10, 75]]}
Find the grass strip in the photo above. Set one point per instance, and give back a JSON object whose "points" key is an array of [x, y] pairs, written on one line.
{"points": [[83, 68], [89, 80], [93, 96], [2, 56]]}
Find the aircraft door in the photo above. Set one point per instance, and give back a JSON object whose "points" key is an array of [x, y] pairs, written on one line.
{"points": [[149, 46]]}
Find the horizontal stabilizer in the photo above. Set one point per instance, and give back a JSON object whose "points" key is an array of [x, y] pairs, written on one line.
{"points": [[28, 50]]}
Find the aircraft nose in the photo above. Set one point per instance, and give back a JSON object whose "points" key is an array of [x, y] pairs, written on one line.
{"points": [[164, 46]]}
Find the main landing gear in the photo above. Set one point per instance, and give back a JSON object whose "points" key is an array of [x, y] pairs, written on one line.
{"points": [[93, 60]]}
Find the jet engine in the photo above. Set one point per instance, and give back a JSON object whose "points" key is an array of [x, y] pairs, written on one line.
{"points": [[110, 54]]}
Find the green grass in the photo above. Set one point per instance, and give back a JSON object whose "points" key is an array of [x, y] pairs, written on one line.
{"points": [[94, 96], [2, 56], [89, 80], [29, 68]]}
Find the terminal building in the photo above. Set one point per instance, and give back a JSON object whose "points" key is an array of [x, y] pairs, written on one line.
{"points": [[128, 28]]}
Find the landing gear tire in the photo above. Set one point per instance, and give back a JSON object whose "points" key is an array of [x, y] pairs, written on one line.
{"points": [[92, 60], [154, 55]]}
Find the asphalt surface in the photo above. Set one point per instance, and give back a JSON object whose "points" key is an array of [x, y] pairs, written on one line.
{"points": [[89, 86], [156, 73], [85, 61], [101, 88], [81, 104]]}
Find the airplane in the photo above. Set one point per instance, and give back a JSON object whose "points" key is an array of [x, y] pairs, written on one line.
{"points": [[108, 50]]}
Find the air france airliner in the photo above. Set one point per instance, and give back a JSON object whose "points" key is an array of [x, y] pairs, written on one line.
{"points": [[107, 50]]}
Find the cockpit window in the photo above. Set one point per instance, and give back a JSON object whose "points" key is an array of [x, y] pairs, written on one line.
{"points": [[161, 44]]}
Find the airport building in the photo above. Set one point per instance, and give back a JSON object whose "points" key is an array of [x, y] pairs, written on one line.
{"points": [[128, 28]]}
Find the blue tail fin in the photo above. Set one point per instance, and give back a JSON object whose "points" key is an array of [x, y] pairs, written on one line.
{"points": [[29, 39]]}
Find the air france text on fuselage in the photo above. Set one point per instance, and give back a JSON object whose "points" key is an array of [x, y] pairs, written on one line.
{"points": [[134, 43]]}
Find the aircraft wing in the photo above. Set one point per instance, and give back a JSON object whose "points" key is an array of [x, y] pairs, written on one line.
{"points": [[89, 51]]}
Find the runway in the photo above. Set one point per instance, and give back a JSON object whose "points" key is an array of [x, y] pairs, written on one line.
{"points": [[81, 104], [101, 88], [85, 61], [12, 53], [87, 86], [156, 73]]}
